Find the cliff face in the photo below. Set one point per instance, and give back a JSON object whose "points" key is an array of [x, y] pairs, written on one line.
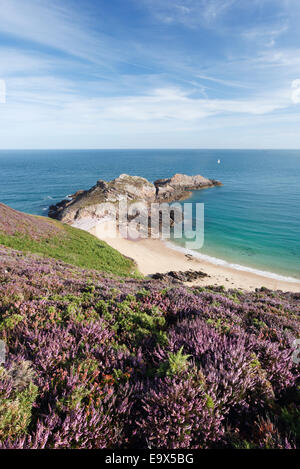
{"points": [[87, 204]]}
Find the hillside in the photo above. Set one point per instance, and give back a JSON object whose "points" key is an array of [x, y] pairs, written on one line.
{"points": [[51, 238], [94, 361]]}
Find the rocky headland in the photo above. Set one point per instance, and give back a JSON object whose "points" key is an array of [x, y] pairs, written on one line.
{"points": [[86, 204]]}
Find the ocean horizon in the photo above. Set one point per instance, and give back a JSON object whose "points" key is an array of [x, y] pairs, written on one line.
{"points": [[252, 222]]}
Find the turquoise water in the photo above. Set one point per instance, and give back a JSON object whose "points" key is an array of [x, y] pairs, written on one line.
{"points": [[253, 220]]}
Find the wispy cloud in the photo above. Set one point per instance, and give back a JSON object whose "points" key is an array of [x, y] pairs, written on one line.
{"points": [[231, 84], [266, 36], [181, 70], [158, 106], [189, 12], [58, 26]]}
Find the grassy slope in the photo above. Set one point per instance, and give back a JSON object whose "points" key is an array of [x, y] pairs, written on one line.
{"points": [[51, 238]]}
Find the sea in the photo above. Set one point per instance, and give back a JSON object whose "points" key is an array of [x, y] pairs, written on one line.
{"points": [[252, 222]]}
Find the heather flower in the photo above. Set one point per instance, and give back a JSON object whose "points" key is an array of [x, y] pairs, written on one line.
{"points": [[96, 362]]}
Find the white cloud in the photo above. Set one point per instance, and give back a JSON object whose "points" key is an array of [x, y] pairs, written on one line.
{"points": [[296, 91], [2, 92], [166, 105], [13, 61], [281, 58], [266, 36], [161, 108], [215, 8]]}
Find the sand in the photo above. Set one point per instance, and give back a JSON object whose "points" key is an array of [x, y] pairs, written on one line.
{"points": [[153, 255]]}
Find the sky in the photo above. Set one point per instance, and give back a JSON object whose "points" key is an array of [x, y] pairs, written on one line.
{"points": [[149, 74]]}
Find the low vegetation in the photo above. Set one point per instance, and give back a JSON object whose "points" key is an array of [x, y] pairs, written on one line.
{"points": [[97, 361]]}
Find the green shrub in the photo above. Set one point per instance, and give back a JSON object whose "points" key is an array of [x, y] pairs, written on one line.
{"points": [[177, 364]]}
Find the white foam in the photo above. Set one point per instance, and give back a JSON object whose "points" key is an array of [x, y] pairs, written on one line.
{"points": [[217, 261]]}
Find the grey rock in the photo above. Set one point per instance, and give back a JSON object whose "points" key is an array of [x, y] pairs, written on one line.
{"points": [[88, 203]]}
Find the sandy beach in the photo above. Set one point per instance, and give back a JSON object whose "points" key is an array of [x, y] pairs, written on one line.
{"points": [[154, 255]]}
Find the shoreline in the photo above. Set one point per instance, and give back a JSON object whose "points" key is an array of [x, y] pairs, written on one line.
{"points": [[155, 255], [232, 265]]}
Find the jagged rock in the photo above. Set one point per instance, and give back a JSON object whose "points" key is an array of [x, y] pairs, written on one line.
{"points": [[84, 204], [180, 276], [179, 187], [87, 204]]}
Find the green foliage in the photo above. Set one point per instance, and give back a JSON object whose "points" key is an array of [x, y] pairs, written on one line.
{"points": [[143, 293], [220, 324], [234, 297], [102, 308], [258, 324], [255, 363], [241, 444], [15, 412], [120, 376], [176, 365], [88, 366], [209, 402], [290, 419], [10, 321], [74, 399], [133, 324], [162, 338], [289, 414]]}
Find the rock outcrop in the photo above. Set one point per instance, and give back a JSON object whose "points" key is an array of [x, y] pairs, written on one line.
{"points": [[86, 204], [179, 187], [180, 276]]}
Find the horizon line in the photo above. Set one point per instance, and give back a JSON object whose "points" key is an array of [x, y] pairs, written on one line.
{"points": [[150, 149]]}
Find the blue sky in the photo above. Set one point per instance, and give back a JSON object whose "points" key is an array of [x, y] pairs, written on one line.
{"points": [[150, 73]]}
